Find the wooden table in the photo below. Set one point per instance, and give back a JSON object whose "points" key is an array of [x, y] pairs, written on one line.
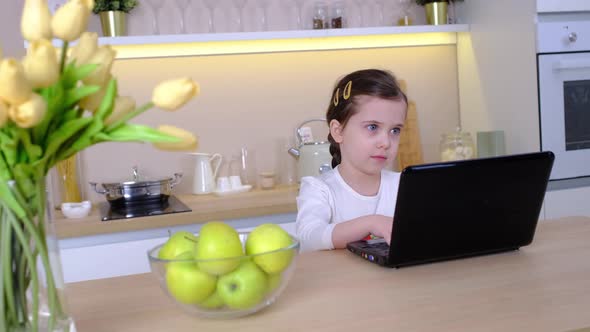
{"points": [[542, 287]]}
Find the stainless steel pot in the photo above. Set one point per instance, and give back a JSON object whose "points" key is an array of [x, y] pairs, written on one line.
{"points": [[138, 191]]}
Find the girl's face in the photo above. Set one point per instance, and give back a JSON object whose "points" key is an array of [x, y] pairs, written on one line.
{"points": [[371, 136]]}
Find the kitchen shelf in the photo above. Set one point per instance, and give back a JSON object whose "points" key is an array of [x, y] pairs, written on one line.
{"points": [[281, 41]]}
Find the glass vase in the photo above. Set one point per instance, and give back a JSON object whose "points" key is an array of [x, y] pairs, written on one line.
{"points": [[31, 278]]}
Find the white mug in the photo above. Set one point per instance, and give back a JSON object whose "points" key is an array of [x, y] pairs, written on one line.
{"points": [[205, 173], [235, 182], [223, 184]]}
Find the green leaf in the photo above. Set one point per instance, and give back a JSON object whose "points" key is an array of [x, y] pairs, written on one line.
{"points": [[23, 173], [139, 133], [53, 95], [74, 95], [9, 200], [62, 134], [74, 74], [33, 151], [85, 139], [108, 102]]}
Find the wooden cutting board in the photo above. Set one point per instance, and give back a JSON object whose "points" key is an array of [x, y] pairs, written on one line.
{"points": [[410, 146]]}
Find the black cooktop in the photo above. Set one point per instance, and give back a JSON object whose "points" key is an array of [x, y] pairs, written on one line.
{"points": [[174, 205]]}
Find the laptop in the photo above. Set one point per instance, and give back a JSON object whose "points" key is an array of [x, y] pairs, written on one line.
{"points": [[465, 208]]}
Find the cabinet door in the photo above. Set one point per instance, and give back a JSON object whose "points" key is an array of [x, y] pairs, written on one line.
{"points": [[567, 202], [117, 259], [549, 6]]}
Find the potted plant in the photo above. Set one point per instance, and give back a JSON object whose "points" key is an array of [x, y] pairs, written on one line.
{"points": [[113, 14], [436, 10]]}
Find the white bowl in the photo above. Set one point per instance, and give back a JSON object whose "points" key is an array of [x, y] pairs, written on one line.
{"points": [[76, 210]]}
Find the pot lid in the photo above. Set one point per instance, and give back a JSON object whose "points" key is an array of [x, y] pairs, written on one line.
{"points": [[138, 180]]}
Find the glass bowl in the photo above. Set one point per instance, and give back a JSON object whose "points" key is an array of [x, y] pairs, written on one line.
{"points": [[245, 289]]}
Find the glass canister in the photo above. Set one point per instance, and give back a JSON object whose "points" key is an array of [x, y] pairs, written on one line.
{"points": [[337, 16], [320, 15], [457, 145]]}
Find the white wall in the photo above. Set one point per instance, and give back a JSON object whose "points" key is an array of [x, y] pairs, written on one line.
{"points": [[256, 100], [497, 71]]}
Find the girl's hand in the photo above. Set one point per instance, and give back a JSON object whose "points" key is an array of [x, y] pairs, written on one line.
{"points": [[381, 226]]}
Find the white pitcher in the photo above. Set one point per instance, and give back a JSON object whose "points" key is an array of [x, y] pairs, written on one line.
{"points": [[205, 174]]}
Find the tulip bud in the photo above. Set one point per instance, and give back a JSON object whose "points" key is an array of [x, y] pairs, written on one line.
{"points": [[123, 105], [87, 45], [91, 102], [70, 20], [103, 57], [89, 4], [172, 94], [35, 23], [3, 113], [14, 86], [40, 64], [29, 113], [188, 142]]}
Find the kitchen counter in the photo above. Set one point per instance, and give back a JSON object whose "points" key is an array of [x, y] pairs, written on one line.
{"points": [[542, 287], [205, 208]]}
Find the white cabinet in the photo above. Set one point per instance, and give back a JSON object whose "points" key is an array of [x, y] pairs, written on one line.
{"points": [[116, 259], [550, 6], [567, 202]]}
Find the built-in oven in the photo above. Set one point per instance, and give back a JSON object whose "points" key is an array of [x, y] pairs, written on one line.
{"points": [[563, 62]]}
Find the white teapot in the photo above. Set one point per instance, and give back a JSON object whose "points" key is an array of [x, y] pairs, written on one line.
{"points": [[313, 158], [205, 173]]}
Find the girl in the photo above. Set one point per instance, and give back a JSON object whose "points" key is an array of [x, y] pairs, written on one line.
{"points": [[357, 197]]}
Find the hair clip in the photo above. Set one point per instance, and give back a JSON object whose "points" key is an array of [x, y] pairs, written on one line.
{"points": [[347, 90], [336, 97]]}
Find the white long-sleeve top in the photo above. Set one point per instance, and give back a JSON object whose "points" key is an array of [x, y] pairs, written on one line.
{"points": [[327, 200]]}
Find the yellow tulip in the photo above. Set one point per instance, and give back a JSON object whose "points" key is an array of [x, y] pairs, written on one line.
{"points": [[40, 64], [70, 20], [103, 57], [35, 23], [188, 141], [172, 94], [89, 4], [3, 113], [91, 103], [123, 105], [29, 113], [14, 86], [87, 45]]}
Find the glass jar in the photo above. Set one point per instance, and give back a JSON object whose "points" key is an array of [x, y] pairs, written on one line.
{"points": [[457, 145], [337, 15], [320, 17]]}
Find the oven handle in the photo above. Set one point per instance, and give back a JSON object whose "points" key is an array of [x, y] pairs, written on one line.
{"points": [[572, 64]]}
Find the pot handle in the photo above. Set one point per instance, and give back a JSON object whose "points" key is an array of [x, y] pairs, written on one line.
{"points": [[93, 185], [177, 177], [298, 130]]}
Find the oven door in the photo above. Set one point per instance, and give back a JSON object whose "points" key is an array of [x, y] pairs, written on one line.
{"points": [[564, 90]]}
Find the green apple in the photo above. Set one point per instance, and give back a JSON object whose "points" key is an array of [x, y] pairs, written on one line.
{"points": [[214, 301], [218, 240], [178, 243], [274, 281], [266, 238], [244, 287], [186, 283]]}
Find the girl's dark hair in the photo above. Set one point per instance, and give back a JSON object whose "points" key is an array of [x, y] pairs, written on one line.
{"points": [[343, 105]]}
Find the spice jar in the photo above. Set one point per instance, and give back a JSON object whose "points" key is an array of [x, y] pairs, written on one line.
{"points": [[320, 10], [457, 145], [337, 15], [266, 180]]}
